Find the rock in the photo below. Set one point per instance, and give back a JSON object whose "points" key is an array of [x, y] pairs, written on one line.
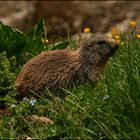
{"points": [[17, 13], [73, 16], [70, 16]]}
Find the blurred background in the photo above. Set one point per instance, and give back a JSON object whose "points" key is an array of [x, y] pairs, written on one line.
{"points": [[62, 17]]}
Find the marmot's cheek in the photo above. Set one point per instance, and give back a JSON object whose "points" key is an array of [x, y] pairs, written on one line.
{"points": [[95, 58]]}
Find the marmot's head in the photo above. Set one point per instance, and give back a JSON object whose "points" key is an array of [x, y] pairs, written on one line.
{"points": [[98, 50]]}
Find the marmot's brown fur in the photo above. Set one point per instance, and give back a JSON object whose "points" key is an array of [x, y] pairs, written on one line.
{"points": [[61, 68]]}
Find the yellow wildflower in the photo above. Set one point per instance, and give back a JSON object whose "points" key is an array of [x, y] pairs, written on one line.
{"points": [[133, 23], [122, 43], [45, 40], [117, 37], [109, 35], [118, 41], [87, 30], [114, 31], [138, 36]]}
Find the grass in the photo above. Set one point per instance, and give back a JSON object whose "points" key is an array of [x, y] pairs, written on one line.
{"points": [[109, 111]]}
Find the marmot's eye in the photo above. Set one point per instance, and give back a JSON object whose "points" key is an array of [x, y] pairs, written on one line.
{"points": [[102, 43]]}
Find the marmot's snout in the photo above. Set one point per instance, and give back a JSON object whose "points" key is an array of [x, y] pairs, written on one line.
{"points": [[113, 47]]}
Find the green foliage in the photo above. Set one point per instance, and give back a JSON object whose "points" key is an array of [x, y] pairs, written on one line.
{"points": [[11, 40], [16, 48], [7, 73], [22, 45], [58, 46], [34, 44], [38, 30]]}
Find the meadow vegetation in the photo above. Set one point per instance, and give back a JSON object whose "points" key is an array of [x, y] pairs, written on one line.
{"points": [[110, 110]]}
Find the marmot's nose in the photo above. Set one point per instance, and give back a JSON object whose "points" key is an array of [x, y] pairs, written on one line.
{"points": [[113, 46], [114, 43]]}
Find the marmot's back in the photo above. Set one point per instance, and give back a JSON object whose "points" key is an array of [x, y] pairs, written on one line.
{"points": [[61, 68], [53, 69]]}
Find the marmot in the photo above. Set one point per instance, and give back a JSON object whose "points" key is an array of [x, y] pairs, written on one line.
{"points": [[62, 68]]}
